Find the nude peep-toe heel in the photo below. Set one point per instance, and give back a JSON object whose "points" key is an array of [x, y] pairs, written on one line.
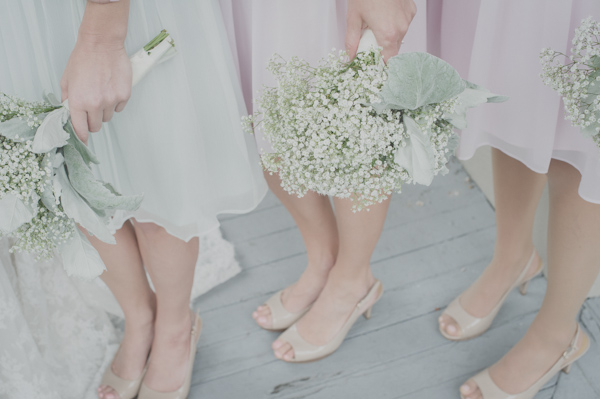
{"points": [[126, 389], [306, 352], [578, 347], [471, 326], [183, 391], [281, 318]]}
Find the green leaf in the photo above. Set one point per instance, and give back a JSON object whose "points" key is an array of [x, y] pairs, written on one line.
{"points": [[17, 129], [418, 157], [471, 97], [14, 213], [87, 154], [54, 160], [51, 133], [80, 258], [418, 79], [77, 209], [95, 192]]}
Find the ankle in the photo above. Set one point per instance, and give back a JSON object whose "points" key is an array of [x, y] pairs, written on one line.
{"points": [[173, 329], [351, 280], [321, 264], [556, 335], [516, 255], [141, 319], [511, 263]]}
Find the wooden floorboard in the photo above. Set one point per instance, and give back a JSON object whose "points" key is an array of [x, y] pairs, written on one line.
{"points": [[436, 241]]}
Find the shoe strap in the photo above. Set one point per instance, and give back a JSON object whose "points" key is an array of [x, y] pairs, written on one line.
{"points": [[521, 278], [464, 319], [488, 388], [376, 289], [573, 347], [280, 316]]}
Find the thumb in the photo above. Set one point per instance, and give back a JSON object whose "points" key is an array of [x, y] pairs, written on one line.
{"points": [[64, 91], [353, 34], [79, 120]]}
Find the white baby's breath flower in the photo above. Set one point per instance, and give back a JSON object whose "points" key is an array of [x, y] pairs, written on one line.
{"points": [[576, 79], [328, 138]]}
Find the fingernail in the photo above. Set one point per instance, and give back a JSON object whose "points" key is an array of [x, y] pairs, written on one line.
{"points": [[451, 329], [465, 388], [277, 344]]}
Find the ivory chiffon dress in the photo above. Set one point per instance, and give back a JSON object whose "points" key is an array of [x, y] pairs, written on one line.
{"points": [[496, 43]]}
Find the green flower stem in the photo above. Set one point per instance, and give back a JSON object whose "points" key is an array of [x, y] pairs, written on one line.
{"points": [[157, 40]]}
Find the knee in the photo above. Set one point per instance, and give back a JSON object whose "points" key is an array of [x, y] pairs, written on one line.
{"points": [[148, 229], [562, 176]]}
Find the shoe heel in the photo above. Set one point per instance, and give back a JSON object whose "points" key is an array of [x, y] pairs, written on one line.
{"points": [[523, 288], [567, 369], [367, 314]]}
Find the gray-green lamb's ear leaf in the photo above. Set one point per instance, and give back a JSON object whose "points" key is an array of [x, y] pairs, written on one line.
{"points": [[14, 213], [51, 133], [94, 191], [87, 154], [471, 97], [417, 157], [17, 129], [80, 258], [418, 79], [77, 209], [492, 98]]}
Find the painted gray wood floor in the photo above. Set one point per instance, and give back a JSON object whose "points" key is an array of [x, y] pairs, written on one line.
{"points": [[436, 241]]}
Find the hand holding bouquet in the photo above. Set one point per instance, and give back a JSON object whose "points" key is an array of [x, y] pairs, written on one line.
{"points": [[360, 129], [47, 185]]}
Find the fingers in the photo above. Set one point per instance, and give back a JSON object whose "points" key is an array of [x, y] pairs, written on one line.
{"points": [[121, 106], [390, 39], [353, 33], [94, 120], [107, 114], [79, 119], [64, 89]]}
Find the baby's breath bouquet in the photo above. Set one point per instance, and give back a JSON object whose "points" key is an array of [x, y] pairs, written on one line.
{"points": [[358, 129], [47, 185], [578, 80]]}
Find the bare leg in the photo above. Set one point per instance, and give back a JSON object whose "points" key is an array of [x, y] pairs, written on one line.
{"points": [[349, 280], [517, 190], [170, 263], [126, 278], [315, 219], [573, 265]]}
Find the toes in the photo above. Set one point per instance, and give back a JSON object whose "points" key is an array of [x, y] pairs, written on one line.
{"points": [[262, 315], [449, 326], [289, 355], [111, 394], [277, 344], [285, 352], [470, 390]]}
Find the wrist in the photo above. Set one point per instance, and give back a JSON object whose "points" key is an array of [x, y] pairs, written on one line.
{"points": [[101, 40]]}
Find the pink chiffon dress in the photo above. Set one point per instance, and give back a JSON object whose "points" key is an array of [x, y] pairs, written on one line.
{"points": [[496, 43]]}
